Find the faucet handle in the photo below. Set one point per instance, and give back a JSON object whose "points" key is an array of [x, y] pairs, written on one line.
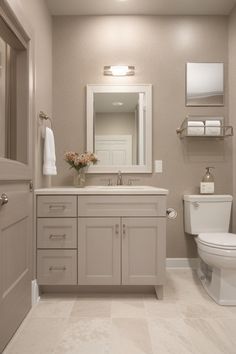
{"points": [[119, 178], [131, 180], [107, 180]]}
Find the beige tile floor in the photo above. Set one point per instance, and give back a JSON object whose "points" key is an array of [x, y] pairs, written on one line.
{"points": [[187, 321]]}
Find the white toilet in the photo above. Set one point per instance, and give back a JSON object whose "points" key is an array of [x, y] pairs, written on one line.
{"points": [[208, 218]]}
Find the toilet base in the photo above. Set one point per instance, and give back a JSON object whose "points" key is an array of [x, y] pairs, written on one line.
{"points": [[220, 284]]}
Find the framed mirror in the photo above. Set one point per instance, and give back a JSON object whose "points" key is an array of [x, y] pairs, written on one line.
{"points": [[204, 84], [119, 128]]}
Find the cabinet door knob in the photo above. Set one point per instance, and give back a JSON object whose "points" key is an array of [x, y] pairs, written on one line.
{"points": [[3, 199], [117, 229], [123, 230]]}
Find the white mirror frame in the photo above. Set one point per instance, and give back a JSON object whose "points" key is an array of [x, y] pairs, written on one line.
{"points": [[147, 90]]}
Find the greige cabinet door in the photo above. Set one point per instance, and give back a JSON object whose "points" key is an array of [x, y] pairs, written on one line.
{"points": [[99, 247], [143, 251], [15, 258]]}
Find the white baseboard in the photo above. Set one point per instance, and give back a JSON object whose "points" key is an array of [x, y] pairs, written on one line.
{"points": [[189, 263], [34, 292]]}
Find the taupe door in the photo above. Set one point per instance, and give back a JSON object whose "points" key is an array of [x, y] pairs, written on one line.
{"points": [[15, 174], [143, 251], [99, 251], [15, 245]]}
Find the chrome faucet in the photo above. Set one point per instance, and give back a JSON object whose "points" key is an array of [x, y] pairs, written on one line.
{"points": [[119, 179]]}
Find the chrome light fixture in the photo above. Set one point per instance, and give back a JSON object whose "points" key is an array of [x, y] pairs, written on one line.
{"points": [[119, 70]]}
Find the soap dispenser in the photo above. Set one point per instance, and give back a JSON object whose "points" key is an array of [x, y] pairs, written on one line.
{"points": [[207, 185]]}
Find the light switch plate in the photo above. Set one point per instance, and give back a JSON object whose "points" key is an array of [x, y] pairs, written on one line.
{"points": [[158, 166]]}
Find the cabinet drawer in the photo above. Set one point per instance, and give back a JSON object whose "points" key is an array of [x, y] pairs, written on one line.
{"points": [[56, 233], [122, 205], [55, 267], [55, 206]]}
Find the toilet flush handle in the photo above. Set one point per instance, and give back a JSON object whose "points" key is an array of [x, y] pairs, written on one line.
{"points": [[3, 199], [196, 204], [171, 213]]}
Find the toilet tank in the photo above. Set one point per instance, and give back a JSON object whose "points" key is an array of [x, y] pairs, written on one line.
{"points": [[207, 213]]}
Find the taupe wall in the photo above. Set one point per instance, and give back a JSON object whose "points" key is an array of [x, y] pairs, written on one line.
{"points": [[39, 20], [159, 47], [232, 97]]}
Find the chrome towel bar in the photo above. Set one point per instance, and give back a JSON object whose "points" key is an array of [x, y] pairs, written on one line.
{"points": [[44, 116]]}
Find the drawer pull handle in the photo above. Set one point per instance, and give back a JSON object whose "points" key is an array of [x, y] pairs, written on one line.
{"points": [[57, 207], [53, 237], [117, 229], [57, 268]]}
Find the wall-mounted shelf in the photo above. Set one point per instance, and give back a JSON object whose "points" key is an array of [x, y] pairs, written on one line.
{"points": [[204, 127]]}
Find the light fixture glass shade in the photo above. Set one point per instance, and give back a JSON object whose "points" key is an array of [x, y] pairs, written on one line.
{"points": [[119, 70], [117, 104]]}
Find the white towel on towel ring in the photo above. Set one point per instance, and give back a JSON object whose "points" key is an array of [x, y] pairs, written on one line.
{"points": [[49, 160]]}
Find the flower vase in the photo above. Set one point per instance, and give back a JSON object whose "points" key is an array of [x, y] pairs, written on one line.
{"points": [[80, 178]]}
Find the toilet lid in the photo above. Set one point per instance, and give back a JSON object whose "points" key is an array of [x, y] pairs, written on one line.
{"points": [[219, 240]]}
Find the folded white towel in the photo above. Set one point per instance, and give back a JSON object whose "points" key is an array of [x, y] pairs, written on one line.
{"points": [[49, 161], [195, 127], [213, 127]]}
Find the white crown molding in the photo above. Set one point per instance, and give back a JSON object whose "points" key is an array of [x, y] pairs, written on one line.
{"points": [[147, 7]]}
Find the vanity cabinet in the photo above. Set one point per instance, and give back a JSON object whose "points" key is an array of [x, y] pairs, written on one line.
{"points": [[57, 240], [127, 249], [104, 239]]}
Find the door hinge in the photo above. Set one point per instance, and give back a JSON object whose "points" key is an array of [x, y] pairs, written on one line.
{"points": [[31, 186]]}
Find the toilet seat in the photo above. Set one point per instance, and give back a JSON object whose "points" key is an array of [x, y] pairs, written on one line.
{"points": [[224, 241], [223, 252]]}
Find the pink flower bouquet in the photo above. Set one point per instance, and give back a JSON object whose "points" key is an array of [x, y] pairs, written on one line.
{"points": [[78, 161]]}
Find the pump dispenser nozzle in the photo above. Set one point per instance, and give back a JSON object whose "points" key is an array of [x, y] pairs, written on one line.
{"points": [[208, 177]]}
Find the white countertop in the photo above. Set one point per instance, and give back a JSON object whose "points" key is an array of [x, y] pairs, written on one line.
{"points": [[103, 190]]}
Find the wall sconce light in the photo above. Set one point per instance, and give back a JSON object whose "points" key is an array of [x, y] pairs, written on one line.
{"points": [[119, 70]]}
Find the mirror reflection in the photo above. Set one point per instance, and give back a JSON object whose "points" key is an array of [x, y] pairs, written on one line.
{"points": [[205, 84], [117, 117], [119, 127]]}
